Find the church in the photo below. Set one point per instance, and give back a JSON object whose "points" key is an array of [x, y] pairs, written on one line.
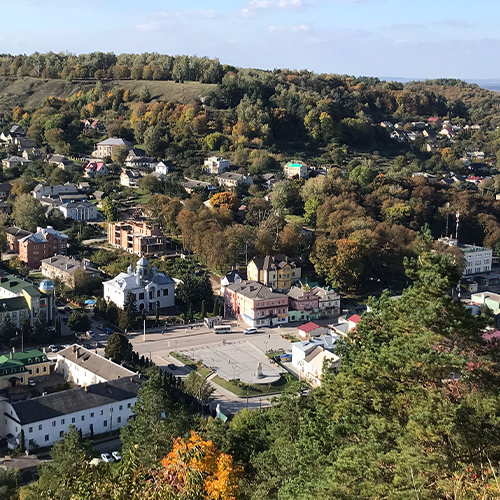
{"points": [[151, 289]]}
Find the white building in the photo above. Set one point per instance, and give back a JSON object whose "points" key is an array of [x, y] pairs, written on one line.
{"points": [[152, 290], [232, 180], [478, 259], [329, 301], [53, 191], [94, 409], [161, 168], [295, 169], [215, 165], [79, 210], [105, 148], [83, 367]]}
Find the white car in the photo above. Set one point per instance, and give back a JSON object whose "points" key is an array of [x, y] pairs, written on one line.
{"points": [[250, 331], [116, 456], [106, 457]]}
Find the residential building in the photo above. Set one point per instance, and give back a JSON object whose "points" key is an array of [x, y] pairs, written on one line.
{"points": [[16, 368], [99, 196], [329, 301], [163, 167], [230, 278], [14, 132], [41, 191], [140, 238], [302, 305], [215, 165], [311, 330], [278, 272], [311, 367], [94, 409], [20, 300], [84, 186], [96, 169], [490, 299], [255, 304], [32, 154], [104, 149], [191, 185], [83, 367], [79, 210], [60, 161], [295, 169], [269, 180], [233, 180], [63, 268], [353, 322], [130, 178], [45, 243], [478, 259], [14, 234], [24, 143], [137, 158], [303, 348], [94, 124], [15, 161], [152, 290]]}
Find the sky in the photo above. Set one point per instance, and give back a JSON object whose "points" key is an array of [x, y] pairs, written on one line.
{"points": [[384, 38]]}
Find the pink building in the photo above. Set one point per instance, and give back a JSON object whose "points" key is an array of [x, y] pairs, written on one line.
{"points": [[255, 304]]}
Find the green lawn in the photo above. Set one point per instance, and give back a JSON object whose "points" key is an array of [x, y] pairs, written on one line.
{"points": [[241, 389], [194, 365], [291, 338]]}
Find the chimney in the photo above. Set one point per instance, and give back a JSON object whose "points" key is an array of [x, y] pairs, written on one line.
{"points": [[44, 350], [86, 388], [74, 347]]}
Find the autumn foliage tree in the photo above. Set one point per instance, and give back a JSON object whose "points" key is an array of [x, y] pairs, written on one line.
{"points": [[225, 199]]}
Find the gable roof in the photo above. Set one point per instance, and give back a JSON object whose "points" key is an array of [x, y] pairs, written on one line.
{"points": [[273, 262], [254, 290], [355, 318], [309, 327], [74, 400], [94, 363], [115, 141]]}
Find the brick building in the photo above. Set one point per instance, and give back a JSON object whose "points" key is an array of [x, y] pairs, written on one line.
{"points": [[137, 237], [45, 243]]}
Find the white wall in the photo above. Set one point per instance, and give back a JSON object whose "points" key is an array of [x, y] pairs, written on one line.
{"points": [[75, 373]]}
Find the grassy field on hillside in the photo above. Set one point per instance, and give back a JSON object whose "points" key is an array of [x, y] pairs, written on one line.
{"points": [[31, 92]]}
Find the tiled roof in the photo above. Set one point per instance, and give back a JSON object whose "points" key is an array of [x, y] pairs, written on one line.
{"points": [[115, 141], [254, 290], [309, 327]]}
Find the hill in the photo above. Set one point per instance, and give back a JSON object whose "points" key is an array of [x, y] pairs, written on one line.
{"points": [[30, 92]]}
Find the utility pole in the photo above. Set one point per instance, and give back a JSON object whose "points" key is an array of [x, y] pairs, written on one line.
{"points": [[144, 334]]}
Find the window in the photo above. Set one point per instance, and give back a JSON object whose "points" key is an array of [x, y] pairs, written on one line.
{"points": [[62, 421], [141, 296], [128, 405], [22, 380], [73, 420], [61, 434], [165, 292], [119, 419], [92, 415], [30, 429], [53, 423], [44, 369], [120, 407], [105, 423], [46, 437], [101, 412], [83, 418], [38, 371], [158, 293], [40, 427]]}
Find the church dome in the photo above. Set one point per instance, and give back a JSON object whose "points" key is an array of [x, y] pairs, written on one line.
{"points": [[143, 263], [47, 286]]}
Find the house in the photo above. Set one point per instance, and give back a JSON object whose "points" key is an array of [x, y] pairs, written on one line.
{"points": [[163, 167], [140, 238], [14, 234], [151, 289], [104, 149], [45, 243], [398, 135], [311, 367], [95, 169], [24, 143], [63, 268], [14, 132], [32, 154], [130, 178], [478, 259], [5, 190], [20, 300], [329, 301], [84, 186], [215, 165], [302, 305], [41, 191], [137, 158], [295, 169], [490, 299], [79, 210], [83, 367], [278, 272], [310, 330], [60, 161], [94, 124], [94, 409], [15, 161], [232, 180], [255, 304], [16, 368], [191, 185], [353, 321], [231, 277], [269, 180], [387, 125], [99, 196]]}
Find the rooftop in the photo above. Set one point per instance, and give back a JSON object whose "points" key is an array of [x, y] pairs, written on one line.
{"points": [[254, 290]]}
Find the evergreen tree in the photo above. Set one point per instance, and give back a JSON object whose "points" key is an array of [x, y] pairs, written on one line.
{"points": [[58, 327], [203, 309]]}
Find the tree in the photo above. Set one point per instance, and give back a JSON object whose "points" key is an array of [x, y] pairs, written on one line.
{"points": [[109, 209], [78, 322], [150, 184], [27, 212], [40, 327], [198, 387], [203, 311], [58, 327], [363, 174], [118, 348], [193, 289], [130, 304], [286, 198], [7, 329], [112, 313], [225, 199], [9, 483], [119, 154]]}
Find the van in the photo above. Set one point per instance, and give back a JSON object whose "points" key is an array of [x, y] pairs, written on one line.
{"points": [[250, 331]]}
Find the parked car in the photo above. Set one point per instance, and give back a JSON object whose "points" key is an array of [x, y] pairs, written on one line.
{"points": [[250, 331], [171, 366], [53, 348], [108, 331], [116, 456], [31, 383], [89, 333], [99, 327], [106, 457]]}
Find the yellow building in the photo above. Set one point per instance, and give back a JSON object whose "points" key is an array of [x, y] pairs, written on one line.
{"points": [[17, 367], [278, 272]]}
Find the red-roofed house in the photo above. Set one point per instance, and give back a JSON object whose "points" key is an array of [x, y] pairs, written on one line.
{"points": [[312, 330], [95, 168], [353, 321]]}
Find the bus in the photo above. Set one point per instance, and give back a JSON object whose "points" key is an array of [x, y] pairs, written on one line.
{"points": [[222, 329]]}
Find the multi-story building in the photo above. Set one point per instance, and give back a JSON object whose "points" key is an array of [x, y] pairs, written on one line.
{"points": [[63, 268], [191, 185], [255, 304], [215, 165], [45, 243], [14, 161], [20, 300], [130, 178], [278, 272], [329, 301], [16, 368], [478, 259], [232, 180], [14, 234], [96, 169], [295, 169], [302, 304], [83, 367], [41, 191], [151, 289], [104, 149], [140, 238], [79, 210]]}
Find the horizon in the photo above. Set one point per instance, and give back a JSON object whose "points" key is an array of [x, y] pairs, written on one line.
{"points": [[425, 41]]}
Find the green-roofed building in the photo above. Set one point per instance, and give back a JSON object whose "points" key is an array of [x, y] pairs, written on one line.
{"points": [[295, 169], [17, 368]]}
